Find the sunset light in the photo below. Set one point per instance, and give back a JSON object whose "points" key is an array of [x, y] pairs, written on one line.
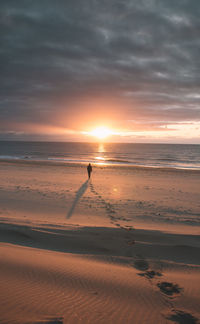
{"points": [[99, 161], [101, 132]]}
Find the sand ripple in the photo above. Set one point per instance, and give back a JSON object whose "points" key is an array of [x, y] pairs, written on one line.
{"points": [[41, 287]]}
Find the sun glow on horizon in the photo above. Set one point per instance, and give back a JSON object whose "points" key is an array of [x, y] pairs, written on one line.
{"points": [[100, 132]]}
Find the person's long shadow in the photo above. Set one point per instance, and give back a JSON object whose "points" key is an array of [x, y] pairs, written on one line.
{"points": [[79, 194]]}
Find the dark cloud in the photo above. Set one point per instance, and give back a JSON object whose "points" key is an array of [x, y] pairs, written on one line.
{"points": [[144, 52]]}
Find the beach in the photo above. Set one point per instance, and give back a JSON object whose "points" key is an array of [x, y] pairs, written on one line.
{"points": [[99, 162], [122, 247]]}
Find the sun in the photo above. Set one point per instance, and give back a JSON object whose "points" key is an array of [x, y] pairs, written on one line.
{"points": [[101, 132]]}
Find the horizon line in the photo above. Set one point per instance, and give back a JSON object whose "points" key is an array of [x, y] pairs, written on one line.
{"points": [[94, 142]]}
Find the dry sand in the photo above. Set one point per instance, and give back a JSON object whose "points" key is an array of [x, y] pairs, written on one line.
{"points": [[121, 248]]}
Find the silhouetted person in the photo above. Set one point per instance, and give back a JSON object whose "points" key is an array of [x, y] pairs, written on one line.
{"points": [[89, 170]]}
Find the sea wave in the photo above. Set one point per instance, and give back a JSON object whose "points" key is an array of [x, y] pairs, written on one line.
{"points": [[117, 160], [140, 155], [111, 162], [10, 157]]}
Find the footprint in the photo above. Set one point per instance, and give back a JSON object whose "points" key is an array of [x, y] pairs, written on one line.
{"points": [[169, 288], [150, 274], [181, 317]]}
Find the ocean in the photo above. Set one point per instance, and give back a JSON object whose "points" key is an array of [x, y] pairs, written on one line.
{"points": [[181, 156]]}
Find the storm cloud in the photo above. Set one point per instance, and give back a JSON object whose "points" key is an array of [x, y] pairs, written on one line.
{"points": [[142, 53]]}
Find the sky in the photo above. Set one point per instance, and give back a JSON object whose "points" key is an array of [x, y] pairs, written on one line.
{"points": [[69, 67]]}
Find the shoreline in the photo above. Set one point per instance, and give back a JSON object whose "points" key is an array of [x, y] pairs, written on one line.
{"points": [[95, 164]]}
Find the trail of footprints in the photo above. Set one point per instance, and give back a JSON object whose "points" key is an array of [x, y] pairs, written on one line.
{"points": [[169, 290], [114, 219]]}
